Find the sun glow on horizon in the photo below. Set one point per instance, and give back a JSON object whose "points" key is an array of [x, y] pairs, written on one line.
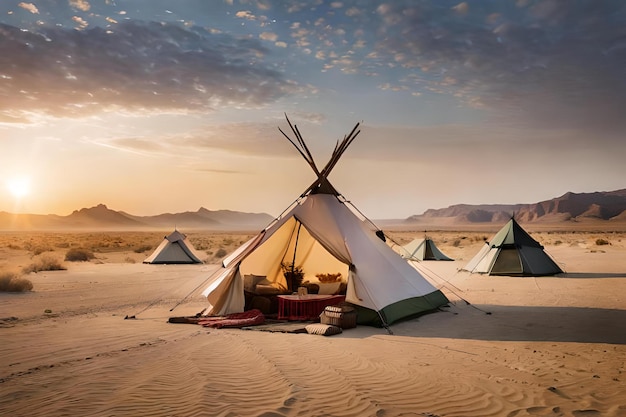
{"points": [[18, 187]]}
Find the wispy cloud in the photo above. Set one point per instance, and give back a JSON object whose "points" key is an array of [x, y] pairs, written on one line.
{"points": [[30, 7], [550, 62], [134, 67]]}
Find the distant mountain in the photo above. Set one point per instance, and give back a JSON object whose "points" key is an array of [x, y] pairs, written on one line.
{"points": [[101, 217], [605, 205]]}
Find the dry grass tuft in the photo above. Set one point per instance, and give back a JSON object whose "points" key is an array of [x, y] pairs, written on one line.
{"points": [[79, 255], [11, 282], [45, 263]]}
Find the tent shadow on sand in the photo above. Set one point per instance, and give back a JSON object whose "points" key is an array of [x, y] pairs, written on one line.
{"points": [[520, 323]]}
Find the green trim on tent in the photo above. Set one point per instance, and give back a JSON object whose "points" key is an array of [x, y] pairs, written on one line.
{"points": [[402, 310]]}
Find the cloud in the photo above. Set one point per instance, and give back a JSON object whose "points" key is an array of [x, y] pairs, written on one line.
{"points": [[134, 67], [80, 22], [80, 5], [245, 14], [548, 63], [451, 144], [247, 139], [30, 7], [268, 36]]}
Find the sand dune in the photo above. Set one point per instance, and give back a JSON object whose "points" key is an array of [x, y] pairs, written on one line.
{"points": [[551, 346]]}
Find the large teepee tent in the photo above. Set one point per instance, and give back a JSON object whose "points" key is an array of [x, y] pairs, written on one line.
{"points": [[321, 234], [513, 252], [174, 249], [422, 250]]}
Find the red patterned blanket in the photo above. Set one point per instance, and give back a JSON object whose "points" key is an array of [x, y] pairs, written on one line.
{"points": [[236, 320]]}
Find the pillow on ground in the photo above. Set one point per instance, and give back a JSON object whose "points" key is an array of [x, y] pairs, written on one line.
{"points": [[322, 329]]}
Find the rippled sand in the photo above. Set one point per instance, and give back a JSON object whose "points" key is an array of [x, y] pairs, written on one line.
{"points": [[549, 346]]}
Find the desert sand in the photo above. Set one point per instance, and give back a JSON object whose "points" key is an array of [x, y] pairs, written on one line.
{"points": [[506, 346]]}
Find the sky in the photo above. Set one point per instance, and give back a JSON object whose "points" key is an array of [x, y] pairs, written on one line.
{"points": [[155, 106]]}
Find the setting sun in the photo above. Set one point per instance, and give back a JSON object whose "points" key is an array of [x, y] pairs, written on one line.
{"points": [[18, 187]]}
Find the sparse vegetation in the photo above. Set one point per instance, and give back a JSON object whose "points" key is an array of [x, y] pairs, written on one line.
{"points": [[601, 242], [11, 282], [38, 250], [44, 263], [142, 249], [221, 252], [79, 255]]}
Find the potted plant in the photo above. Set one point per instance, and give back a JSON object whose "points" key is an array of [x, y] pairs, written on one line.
{"points": [[293, 275]]}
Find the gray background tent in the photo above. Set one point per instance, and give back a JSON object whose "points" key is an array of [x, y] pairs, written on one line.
{"points": [[422, 250], [513, 252], [174, 249]]}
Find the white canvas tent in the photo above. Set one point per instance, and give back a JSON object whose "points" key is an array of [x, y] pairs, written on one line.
{"points": [[513, 252], [320, 233], [174, 249], [422, 250]]}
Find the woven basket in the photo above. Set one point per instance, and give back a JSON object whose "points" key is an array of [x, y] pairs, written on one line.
{"points": [[342, 316]]}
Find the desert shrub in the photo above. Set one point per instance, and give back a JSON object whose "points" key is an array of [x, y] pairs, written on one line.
{"points": [[456, 243], [63, 245], [558, 242], [600, 242], [38, 250], [45, 263], [14, 247], [202, 245], [221, 252], [11, 282], [79, 255], [129, 260], [142, 248]]}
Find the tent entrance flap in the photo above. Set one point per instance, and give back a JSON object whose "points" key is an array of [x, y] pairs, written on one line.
{"points": [[292, 243], [508, 261]]}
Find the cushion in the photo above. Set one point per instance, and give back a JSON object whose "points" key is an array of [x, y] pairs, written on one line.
{"points": [[264, 281], [322, 329], [250, 281], [329, 288], [267, 290]]}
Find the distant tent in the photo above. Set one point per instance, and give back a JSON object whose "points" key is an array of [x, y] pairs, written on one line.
{"points": [[174, 249], [513, 252], [321, 234], [422, 250]]}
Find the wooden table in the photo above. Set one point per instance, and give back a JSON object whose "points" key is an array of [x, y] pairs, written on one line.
{"points": [[305, 307]]}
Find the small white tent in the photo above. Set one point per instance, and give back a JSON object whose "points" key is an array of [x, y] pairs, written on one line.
{"points": [[422, 250], [321, 234], [513, 252], [174, 249]]}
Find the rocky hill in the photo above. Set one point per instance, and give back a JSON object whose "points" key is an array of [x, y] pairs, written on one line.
{"points": [[102, 217], [604, 205]]}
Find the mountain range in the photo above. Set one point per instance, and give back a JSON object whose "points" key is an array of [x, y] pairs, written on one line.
{"points": [[603, 205], [570, 207], [102, 217]]}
